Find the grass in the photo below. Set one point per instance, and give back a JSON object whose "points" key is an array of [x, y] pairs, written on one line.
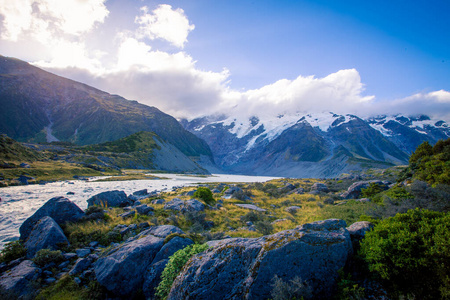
{"points": [[51, 171], [229, 219]]}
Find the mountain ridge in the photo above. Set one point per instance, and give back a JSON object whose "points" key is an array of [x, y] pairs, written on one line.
{"points": [[38, 106]]}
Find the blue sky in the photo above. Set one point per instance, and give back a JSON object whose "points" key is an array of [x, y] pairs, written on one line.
{"points": [[354, 56]]}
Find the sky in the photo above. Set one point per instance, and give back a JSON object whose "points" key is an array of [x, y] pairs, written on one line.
{"points": [[199, 57]]}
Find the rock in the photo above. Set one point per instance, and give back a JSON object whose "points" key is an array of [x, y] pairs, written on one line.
{"points": [[233, 189], [183, 206], [278, 221], [144, 209], [93, 244], [77, 280], [109, 199], [24, 179], [158, 201], [122, 270], [143, 192], [354, 191], [363, 200], [70, 193], [83, 252], [80, 265], [249, 223], [242, 268], [25, 165], [191, 193], [18, 283], [288, 187], [251, 207], [49, 280], [128, 214], [297, 191], [358, 230], [46, 234], [144, 225], [60, 209], [215, 191], [153, 276], [69, 256], [163, 230], [292, 209], [319, 187]]}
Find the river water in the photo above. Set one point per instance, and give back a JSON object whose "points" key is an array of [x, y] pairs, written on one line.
{"points": [[20, 202]]}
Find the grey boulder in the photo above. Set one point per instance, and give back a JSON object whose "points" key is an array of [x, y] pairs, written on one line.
{"points": [[109, 199], [251, 207], [153, 275], [319, 187], [46, 234], [184, 206], [242, 268], [60, 209], [144, 209], [354, 191], [18, 283], [359, 229]]}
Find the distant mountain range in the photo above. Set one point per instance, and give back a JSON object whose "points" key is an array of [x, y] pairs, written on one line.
{"points": [[38, 106], [307, 145]]}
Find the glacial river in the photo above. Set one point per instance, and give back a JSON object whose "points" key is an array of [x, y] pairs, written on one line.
{"points": [[19, 202]]}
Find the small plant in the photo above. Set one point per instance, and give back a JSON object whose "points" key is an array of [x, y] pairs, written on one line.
{"points": [[174, 266], [264, 227], [46, 256], [348, 289], [12, 251], [296, 288], [371, 190], [205, 194]]}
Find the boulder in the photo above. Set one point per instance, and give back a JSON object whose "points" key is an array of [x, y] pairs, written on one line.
{"points": [[359, 229], [46, 234], [158, 201], [128, 214], [163, 230], [292, 209], [319, 187], [183, 206], [354, 191], [60, 209], [109, 199], [251, 207], [153, 275], [143, 192], [18, 283], [80, 265], [144, 209], [122, 270], [242, 268], [288, 187]]}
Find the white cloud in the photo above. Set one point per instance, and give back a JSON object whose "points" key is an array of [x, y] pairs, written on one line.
{"points": [[43, 20], [165, 23], [435, 104]]}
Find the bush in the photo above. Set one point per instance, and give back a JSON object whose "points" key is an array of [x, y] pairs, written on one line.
{"points": [[411, 253], [12, 251], [294, 289], [45, 256], [174, 266], [348, 289], [264, 227], [371, 190], [205, 194]]}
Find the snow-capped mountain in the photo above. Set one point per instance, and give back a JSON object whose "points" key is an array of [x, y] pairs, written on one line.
{"points": [[313, 145]]}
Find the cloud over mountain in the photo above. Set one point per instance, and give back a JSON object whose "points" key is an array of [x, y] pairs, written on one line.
{"points": [[144, 59]]}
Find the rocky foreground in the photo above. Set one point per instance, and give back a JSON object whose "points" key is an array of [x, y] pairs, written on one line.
{"points": [[231, 268]]}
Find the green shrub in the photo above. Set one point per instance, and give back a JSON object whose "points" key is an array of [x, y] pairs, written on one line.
{"points": [[371, 190], [12, 251], [205, 194], [264, 227], [174, 266], [411, 252], [347, 288], [45, 256]]}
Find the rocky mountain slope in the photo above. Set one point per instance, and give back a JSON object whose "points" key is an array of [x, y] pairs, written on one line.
{"points": [[306, 145], [38, 106]]}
